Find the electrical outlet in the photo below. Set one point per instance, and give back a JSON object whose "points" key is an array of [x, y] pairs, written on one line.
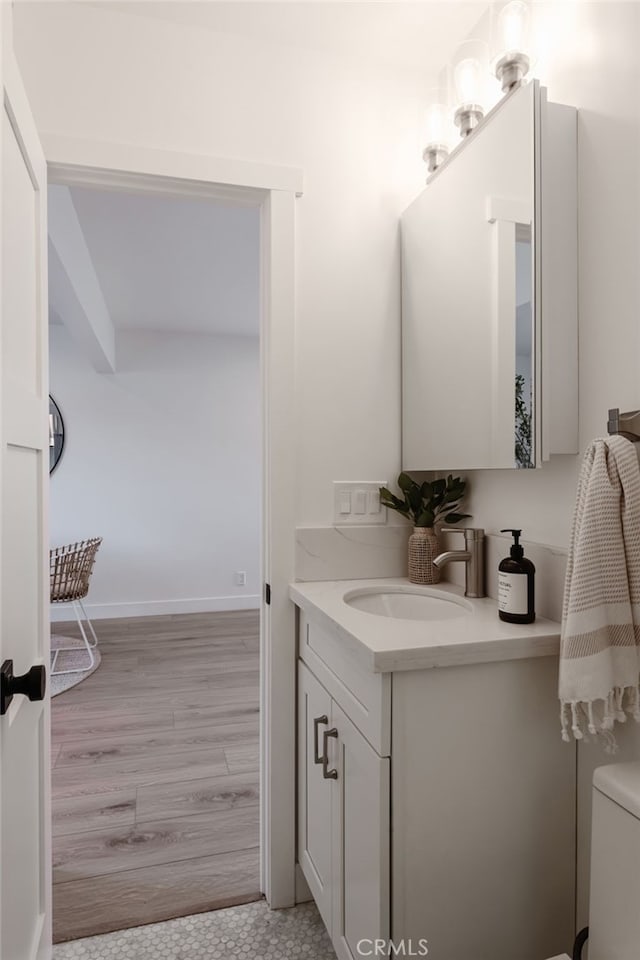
{"points": [[358, 502], [241, 578]]}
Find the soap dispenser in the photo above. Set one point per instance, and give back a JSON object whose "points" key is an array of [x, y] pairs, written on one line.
{"points": [[516, 585]]}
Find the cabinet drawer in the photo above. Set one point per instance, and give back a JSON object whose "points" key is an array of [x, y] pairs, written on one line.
{"points": [[364, 696]]}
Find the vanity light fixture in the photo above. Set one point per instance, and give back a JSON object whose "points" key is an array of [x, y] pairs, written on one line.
{"points": [[436, 124], [469, 78], [512, 63]]}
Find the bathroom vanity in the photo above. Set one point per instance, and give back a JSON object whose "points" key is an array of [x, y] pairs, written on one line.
{"points": [[436, 798]]}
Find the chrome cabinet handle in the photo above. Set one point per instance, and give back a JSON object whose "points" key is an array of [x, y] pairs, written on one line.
{"points": [[326, 773], [316, 723]]}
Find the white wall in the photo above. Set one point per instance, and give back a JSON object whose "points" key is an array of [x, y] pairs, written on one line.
{"points": [[162, 459], [355, 129]]}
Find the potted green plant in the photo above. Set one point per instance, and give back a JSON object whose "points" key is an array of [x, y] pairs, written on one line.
{"points": [[428, 505]]}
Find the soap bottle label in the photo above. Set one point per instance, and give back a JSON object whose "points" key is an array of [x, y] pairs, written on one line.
{"points": [[512, 593]]}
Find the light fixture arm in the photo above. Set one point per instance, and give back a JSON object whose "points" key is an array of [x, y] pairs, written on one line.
{"points": [[511, 69], [467, 117], [434, 155]]}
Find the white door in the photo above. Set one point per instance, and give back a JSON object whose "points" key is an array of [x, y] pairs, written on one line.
{"points": [[361, 831], [314, 790], [25, 892]]}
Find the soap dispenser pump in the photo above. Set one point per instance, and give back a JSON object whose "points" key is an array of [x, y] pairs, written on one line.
{"points": [[516, 584]]}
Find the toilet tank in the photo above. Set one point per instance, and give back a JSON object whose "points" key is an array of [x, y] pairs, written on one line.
{"points": [[614, 906]]}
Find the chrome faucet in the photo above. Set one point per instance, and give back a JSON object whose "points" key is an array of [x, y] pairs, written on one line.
{"points": [[473, 557]]}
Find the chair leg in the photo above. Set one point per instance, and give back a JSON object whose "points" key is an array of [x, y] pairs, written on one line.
{"points": [[93, 633], [83, 632], [53, 672]]}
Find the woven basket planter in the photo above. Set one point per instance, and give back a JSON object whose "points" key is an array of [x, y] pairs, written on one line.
{"points": [[424, 547]]}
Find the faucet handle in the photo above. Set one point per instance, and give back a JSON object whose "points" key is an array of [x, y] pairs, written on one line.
{"points": [[470, 533]]}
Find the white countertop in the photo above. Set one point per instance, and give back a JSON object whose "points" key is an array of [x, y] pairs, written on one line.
{"points": [[384, 644]]}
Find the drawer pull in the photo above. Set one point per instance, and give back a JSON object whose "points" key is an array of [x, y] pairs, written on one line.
{"points": [[316, 723], [326, 773]]}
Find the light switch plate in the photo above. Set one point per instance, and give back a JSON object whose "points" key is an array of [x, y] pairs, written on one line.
{"points": [[363, 499]]}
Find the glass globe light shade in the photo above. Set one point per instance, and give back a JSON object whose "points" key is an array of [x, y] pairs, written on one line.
{"points": [[470, 73], [436, 121], [513, 27], [438, 135], [512, 41]]}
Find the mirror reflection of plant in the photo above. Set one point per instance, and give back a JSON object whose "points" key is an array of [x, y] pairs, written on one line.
{"points": [[428, 503], [523, 426]]}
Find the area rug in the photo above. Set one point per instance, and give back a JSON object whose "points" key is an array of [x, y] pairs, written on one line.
{"points": [[70, 660]]}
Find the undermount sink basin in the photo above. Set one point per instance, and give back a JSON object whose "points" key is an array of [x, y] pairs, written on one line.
{"points": [[408, 603]]}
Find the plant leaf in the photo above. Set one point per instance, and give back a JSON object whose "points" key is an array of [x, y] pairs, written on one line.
{"points": [[386, 493], [426, 490], [456, 517], [406, 483], [387, 499], [415, 499]]}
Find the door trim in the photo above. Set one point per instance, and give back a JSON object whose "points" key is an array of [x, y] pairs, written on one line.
{"points": [[77, 161], [80, 162]]}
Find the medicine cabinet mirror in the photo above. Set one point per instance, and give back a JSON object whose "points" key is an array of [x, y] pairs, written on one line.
{"points": [[56, 435], [489, 298]]}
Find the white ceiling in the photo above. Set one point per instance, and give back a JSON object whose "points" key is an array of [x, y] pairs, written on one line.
{"points": [[419, 36], [173, 264]]}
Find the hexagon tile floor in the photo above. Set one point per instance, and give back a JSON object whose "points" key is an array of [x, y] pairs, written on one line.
{"points": [[249, 932]]}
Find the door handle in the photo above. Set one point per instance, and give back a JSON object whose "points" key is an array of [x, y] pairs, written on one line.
{"points": [[316, 723], [326, 773], [31, 684]]}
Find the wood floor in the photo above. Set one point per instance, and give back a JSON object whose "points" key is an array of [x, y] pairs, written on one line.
{"points": [[155, 774]]}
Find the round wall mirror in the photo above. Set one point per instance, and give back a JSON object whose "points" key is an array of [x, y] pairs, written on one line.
{"points": [[56, 434]]}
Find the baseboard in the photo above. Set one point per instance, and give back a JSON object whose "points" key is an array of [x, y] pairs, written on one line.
{"points": [[154, 608]]}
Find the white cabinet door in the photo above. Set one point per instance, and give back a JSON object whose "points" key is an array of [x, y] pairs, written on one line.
{"points": [[361, 841], [25, 902], [314, 791], [459, 286]]}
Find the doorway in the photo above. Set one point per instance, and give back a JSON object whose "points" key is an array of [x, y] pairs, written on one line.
{"points": [[155, 748], [273, 191]]}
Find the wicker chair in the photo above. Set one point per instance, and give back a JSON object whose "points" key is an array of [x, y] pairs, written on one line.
{"points": [[70, 569]]}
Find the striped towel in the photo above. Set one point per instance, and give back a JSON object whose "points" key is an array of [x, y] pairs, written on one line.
{"points": [[600, 641]]}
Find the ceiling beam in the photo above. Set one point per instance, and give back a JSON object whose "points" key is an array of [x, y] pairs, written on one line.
{"points": [[74, 289]]}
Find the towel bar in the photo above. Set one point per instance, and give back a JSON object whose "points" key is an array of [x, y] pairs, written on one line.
{"points": [[625, 424]]}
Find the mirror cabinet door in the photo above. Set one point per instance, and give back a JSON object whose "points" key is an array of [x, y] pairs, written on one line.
{"points": [[56, 435], [469, 304], [524, 446]]}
